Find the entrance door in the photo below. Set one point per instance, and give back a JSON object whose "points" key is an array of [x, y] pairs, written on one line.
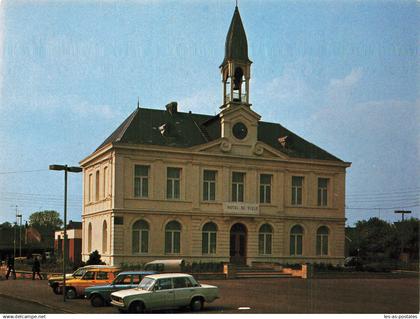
{"points": [[238, 244]]}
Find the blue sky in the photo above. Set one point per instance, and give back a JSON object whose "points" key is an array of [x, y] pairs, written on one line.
{"points": [[341, 74]]}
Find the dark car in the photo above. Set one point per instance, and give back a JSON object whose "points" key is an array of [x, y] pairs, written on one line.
{"points": [[100, 295]]}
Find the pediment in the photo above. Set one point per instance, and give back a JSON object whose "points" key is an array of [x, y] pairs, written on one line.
{"points": [[226, 147], [232, 113]]}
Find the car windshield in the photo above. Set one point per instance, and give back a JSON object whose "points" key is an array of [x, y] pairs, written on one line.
{"points": [[146, 283], [79, 272]]}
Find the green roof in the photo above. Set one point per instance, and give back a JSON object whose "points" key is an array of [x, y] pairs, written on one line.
{"points": [[178, 129]]}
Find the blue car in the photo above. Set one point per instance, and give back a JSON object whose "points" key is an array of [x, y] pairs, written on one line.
{"points": [[100, 295]]}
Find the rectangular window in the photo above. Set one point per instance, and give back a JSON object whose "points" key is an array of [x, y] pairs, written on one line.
{"points": [[323, 191], [136, 241], [173, 183], [141, 181], [209, 242], [296, 245], [172, 242], [322, 245], [144, 233], [97, 186], [140, 241], [90, 188], [292, 245], [297, 184], [265, 188], [209, 185], [105, 186], [238, 187], [299, 245]]}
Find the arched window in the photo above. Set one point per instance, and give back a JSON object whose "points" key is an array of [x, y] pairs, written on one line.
{"points": [[104, 237], [296, 240], [173, 238], [209, 236], [322, 241], [140, 237], [89, 238], [265, 239]]}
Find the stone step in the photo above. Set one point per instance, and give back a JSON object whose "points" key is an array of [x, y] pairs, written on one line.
{"points": [[263, 275], [257, 270]]}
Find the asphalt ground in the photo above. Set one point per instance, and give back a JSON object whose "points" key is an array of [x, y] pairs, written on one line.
{"points": [[265, 295]]}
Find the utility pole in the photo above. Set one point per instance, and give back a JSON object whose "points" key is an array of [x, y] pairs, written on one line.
{"points": [[20, 234], [14, 232], [402, 212]]}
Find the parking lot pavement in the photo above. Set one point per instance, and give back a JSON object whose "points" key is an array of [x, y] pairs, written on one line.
{"points": [[280, 295]]}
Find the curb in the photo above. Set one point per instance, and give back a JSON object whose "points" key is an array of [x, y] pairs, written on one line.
{"points": [[36, 302]]}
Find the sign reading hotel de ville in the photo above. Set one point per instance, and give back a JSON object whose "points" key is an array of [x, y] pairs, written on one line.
{"points": [[240, 208]]}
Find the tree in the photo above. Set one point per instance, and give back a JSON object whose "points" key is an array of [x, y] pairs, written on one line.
{"points": [[46, 222], [94, 259], [6, 225], [375, 238], [378, 239], [49, 218]]}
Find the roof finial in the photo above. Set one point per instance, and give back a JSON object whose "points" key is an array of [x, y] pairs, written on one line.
{"points": [[138, 102], [236, 3]]}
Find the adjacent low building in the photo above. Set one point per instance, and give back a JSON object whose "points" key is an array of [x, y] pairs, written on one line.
{"points": [[231, 187], [74, 242]]}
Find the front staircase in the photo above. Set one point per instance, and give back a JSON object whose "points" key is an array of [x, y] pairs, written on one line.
{"points": [[244, 271]]}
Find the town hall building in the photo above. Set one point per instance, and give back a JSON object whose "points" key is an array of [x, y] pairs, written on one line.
{"points": [[225, 188]]}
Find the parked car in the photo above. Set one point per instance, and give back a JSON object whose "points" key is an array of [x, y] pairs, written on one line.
{"points": [[101, 295], [92, 277], [54, 281], [165, 265], [162, 291]]}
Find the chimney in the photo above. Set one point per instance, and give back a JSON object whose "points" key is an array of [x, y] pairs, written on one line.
{"points": [[172, 108]]}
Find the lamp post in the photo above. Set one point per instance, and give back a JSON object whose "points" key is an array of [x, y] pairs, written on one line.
{"points": [[20, 234], [72, 169]]}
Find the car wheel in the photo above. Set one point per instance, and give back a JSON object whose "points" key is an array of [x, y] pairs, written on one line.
{"points": [[71, 293], [136, 307], [97, 301], [56, 290], [196, 304]]}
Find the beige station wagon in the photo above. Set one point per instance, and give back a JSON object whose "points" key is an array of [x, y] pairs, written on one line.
{"points": [[163, 291]]}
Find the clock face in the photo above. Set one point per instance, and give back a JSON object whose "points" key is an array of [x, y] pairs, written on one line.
{"points": [[239, 130]]}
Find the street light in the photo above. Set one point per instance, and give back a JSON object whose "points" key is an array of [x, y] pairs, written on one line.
{"points": [[20, 234], [72, 169]]}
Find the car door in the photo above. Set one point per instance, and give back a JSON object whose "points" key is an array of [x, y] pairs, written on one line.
{"points": [[102, 278], [162, 295], [122, 282], [184, 291]]}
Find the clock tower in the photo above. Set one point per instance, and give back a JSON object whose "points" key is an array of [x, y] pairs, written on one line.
{"points": [[239, 123]]}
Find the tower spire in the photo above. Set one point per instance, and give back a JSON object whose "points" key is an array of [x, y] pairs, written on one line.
{"points": [[236, 65]]}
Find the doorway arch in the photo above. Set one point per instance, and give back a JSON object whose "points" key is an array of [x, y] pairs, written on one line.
{"points": [[238, 243]]}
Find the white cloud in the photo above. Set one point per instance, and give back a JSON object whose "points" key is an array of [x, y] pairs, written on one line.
{"points": [[340, 91], [204, 101]]}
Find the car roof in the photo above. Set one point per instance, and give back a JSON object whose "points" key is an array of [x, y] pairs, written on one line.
{"points": [[170, 275], [139, 272], [110, 269], [99, 266], [166, 261]]}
